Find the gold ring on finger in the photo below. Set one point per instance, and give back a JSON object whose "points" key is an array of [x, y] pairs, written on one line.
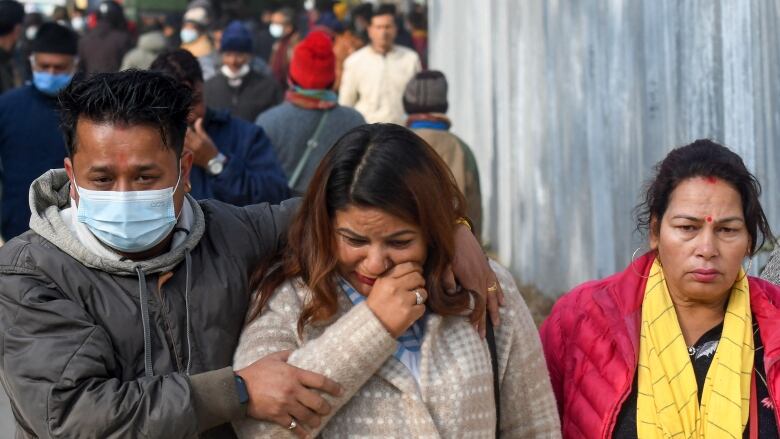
{"points": [[493, 288]]}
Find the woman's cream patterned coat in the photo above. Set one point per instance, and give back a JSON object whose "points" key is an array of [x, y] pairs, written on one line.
{"points": [[381, 397]]}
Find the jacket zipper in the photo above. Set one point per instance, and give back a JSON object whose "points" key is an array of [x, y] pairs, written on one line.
{"points": [[610, 427], [769, 391], [164, 309]]}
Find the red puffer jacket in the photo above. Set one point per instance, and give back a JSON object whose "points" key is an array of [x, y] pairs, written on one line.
{"points": [[591, 343]]}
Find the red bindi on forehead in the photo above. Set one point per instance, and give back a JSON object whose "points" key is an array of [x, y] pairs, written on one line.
{"points": [[709, 219], [710, 179]]}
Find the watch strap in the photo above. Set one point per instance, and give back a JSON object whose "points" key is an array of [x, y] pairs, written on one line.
{"points": [[243, 393]]}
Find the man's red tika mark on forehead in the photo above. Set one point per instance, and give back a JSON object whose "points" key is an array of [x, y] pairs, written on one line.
{"points": [[709, 219], [711, 180]]}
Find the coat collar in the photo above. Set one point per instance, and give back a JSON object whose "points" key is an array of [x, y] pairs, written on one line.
{"points": [[214, 116], [620, 301], [764, 297], [624, 306]]}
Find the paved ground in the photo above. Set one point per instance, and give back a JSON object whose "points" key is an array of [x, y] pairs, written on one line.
{"points": [[6, 419]]}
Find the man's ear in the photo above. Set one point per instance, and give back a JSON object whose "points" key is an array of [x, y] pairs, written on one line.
{"points": [[69, 170], [186, 166]]}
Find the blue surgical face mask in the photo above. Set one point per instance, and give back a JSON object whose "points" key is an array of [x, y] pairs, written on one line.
{"points": [[188, 35], [51, 83], [132, 221]]}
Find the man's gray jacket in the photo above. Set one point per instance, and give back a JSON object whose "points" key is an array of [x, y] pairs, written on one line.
{"points": [[101, 348]]}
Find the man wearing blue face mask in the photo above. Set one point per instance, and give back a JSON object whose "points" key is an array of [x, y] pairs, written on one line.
{"points": [[122, 318], [30, 139], [121, 308]]}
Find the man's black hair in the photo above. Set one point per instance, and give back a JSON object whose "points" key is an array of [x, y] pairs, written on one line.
{"points": [[181, 65], [130, 97], [289, 14], [385, 9], [364, 10]]}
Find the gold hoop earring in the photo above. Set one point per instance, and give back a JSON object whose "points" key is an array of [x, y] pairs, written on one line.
{"points": [[633, 257]]}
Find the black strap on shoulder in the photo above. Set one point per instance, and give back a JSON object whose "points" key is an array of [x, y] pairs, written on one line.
{"points": [[311, 144], [491, 341]]}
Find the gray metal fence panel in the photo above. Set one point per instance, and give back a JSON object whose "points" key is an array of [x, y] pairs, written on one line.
{"points": [[568, 104]]}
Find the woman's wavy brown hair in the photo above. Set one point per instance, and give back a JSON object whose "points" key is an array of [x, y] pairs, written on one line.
{"points": [[381, 166]]}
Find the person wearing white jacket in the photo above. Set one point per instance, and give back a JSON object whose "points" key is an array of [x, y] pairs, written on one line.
{"points": [[375, 76]]}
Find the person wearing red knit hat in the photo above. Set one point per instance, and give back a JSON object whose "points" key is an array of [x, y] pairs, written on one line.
{"points": [[313, 105], [313, 65]]}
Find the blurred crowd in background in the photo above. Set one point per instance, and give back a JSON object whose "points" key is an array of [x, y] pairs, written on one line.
{"points": [[275, 84], [113, 41]]}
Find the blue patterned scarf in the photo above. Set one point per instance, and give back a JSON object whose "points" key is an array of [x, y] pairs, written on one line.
{"points": [[409, 341]]}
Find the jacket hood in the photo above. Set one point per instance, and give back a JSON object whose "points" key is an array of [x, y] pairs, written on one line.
{"points": [[50, 193], [152, 41]]}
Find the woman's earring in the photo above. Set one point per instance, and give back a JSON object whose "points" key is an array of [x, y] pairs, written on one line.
{"points": [[633, 257]]}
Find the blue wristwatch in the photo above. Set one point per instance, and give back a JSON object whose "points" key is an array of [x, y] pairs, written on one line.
{"points": [[243, 394]]}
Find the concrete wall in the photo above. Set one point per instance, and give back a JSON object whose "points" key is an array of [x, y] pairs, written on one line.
{"points": [[569, 103]]}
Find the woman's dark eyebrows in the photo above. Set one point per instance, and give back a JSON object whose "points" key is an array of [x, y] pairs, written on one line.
{"points": [[349, 232]]}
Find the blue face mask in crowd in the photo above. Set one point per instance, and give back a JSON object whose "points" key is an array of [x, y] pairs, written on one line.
{"points": [[51, 83], [188, 35], [132, 221]]}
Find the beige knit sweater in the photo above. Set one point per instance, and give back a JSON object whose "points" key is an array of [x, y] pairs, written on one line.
{"points": [[381, 397]]}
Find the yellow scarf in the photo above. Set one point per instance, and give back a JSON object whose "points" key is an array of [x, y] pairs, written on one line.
{"points": [[667, 392]]}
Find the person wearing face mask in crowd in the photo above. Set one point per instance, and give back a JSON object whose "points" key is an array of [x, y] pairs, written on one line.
{"points": [[263, 42], [121, 308], [130, 294], [30, 139], [77, 21], [237, 87], [282, 28], [211, 63], [234, 160], [194, 35]]}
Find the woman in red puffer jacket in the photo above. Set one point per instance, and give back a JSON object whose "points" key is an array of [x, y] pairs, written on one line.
{"points": [[703, 217]]}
